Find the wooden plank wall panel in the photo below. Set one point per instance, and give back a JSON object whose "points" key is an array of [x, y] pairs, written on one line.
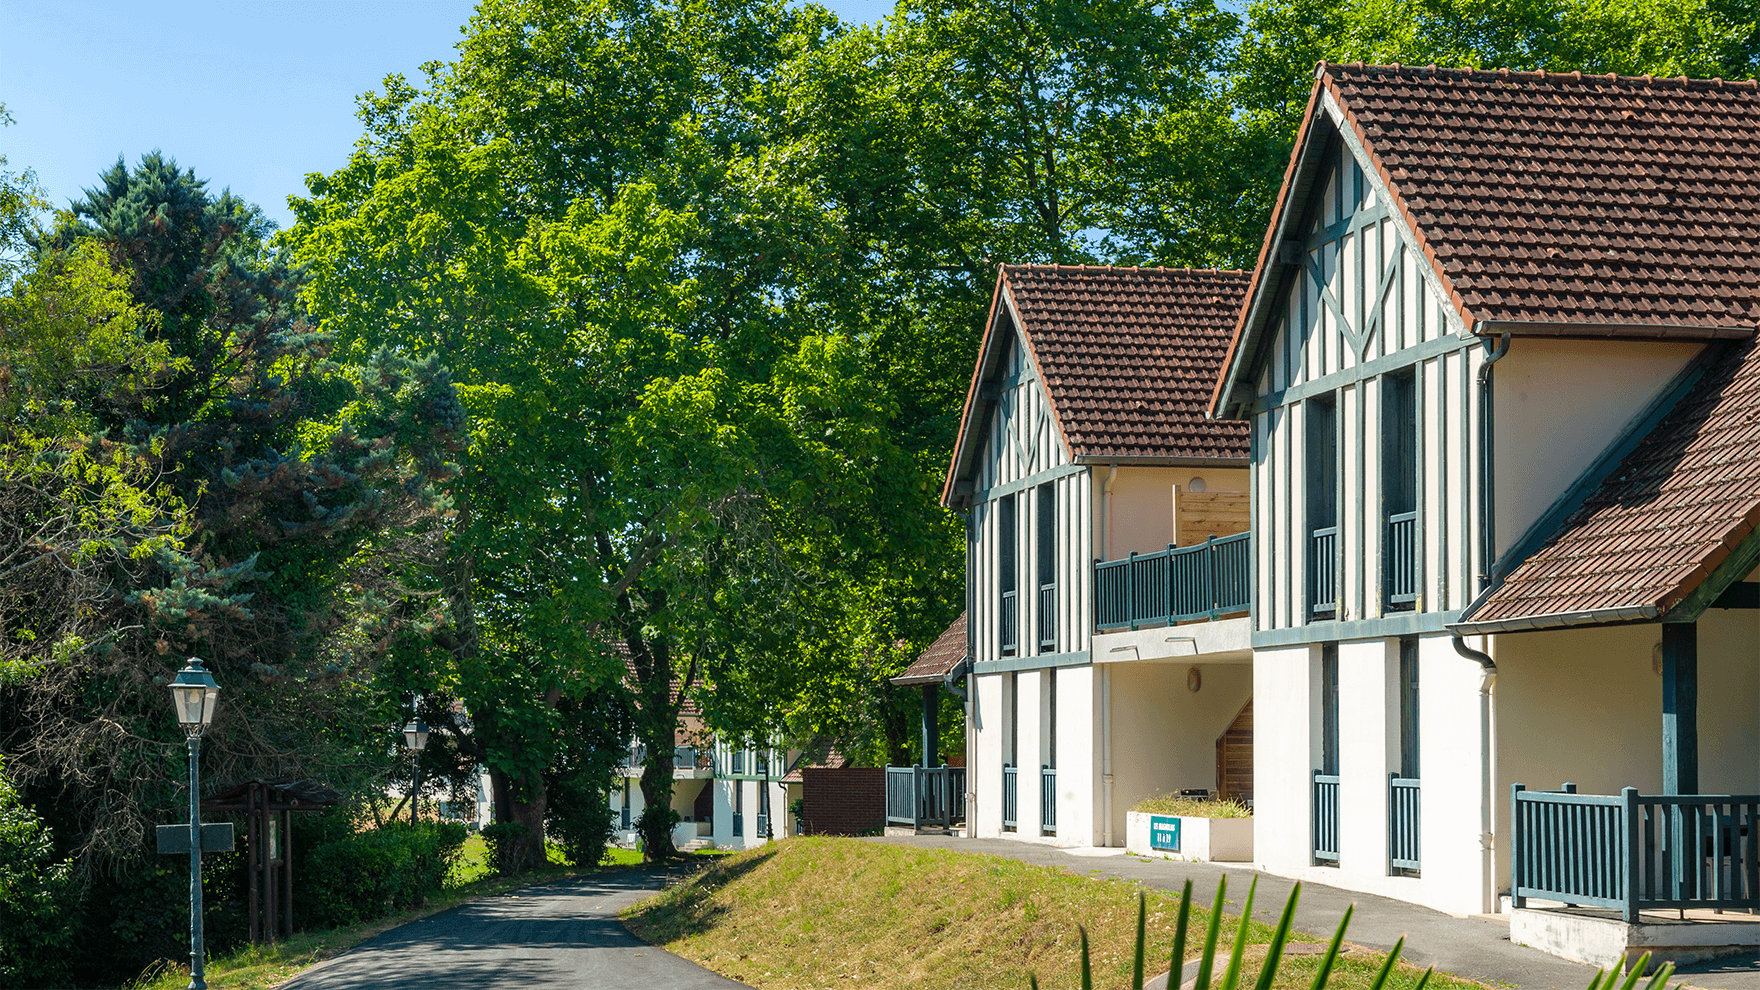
{"points": [[1234, 757]]}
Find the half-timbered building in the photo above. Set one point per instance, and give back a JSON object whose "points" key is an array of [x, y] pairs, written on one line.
{"points": [[1498, 366], [1107, 571]]}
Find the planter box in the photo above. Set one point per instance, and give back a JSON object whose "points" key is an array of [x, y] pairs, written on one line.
{"points": [[1222, 840]]}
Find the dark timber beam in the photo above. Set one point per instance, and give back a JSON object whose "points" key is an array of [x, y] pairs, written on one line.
{"points": [[1680, 708], [931, 726], [1742, 594]]}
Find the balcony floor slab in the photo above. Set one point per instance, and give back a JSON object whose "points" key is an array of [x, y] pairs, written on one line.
{"points": [[1227, 640]]}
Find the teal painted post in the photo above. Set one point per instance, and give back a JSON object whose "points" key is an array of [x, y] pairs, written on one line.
{"points": [[1518, 840], [931, 726], [1680, 708], [1631, 848], [1130, 597]]}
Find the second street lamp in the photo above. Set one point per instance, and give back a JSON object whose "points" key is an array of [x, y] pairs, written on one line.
{"points": [[195, 696], [415, 739]]}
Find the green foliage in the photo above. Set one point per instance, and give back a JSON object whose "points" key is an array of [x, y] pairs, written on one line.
{"points": [[503, 839], [578, 817], [361, 875], [1173, 804], [38, 905]]}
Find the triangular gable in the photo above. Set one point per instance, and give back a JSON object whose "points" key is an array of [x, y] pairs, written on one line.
{"points": [[1124, 358], [1543, 204]]}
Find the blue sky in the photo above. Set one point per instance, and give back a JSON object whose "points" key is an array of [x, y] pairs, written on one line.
{"points": [[252, 94]]}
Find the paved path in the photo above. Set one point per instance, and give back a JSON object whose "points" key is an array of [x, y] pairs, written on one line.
{"points": [[560, 934], [1477, 948]]}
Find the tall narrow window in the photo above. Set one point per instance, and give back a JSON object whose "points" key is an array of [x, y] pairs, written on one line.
{"points": [[1322, 484], [1408, 707], [1051, 720], [1329, 709], [1008, 617], [1047, 553], [1399, 487]]}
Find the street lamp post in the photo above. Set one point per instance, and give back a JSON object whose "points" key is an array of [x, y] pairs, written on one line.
{"points": [[415, 739], [195, 695]]}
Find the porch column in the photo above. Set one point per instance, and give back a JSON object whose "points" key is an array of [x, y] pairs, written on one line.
{"points": [[1680, 708], [931, 726]]}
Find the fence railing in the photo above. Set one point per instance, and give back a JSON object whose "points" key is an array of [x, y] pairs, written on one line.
{"points": [[918, 796], [1047, 616], [739, 824], [763, 825], [1323, 570], [1009, 792], [1048, 800], [1403, 821], [1402, 558], [1010, 622], [625, 818], [1201, 581], [1635, 851], [1325, 817]]}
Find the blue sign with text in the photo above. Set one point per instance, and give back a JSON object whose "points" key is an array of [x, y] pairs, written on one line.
{"points": [[1164, 833]]}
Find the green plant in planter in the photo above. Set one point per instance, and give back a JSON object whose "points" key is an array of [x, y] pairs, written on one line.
{"points": [[1604, 980]]}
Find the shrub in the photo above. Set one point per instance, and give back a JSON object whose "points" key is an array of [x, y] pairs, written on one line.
{"points": [[579, 818], [500, 838], [1191, 807], [360, 876], [37, 900]]}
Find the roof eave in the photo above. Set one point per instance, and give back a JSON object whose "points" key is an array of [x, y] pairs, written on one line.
{"points": [[962, 446], [917, 680], [1161, 460], [1623, 331], [1617, 615]]}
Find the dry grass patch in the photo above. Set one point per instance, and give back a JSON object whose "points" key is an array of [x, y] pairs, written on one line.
{"points": [[809, 913]]}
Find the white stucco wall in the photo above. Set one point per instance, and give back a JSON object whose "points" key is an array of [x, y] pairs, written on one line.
{"points": [[1080, 785], [1163, 734], [1559, 403], [987, 736], [1284, 756], [1287, 746]]}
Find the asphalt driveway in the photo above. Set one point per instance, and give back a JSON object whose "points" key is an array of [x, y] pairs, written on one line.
{"points": [[560, 934]]}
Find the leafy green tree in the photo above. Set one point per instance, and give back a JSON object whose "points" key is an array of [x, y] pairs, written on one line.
{"points": [[37, 898]]}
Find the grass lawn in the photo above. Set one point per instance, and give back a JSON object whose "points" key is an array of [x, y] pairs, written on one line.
{"points": [[261, 967], [822, 912]]}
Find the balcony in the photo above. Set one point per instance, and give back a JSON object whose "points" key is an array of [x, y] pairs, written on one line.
{"points": [[1323, 572], [1048, 801], [1402, 559], [1325, 818], [1010, 622], [1010, 776], [921, 797], [1403, 822], [1635, 852], [1179, 584]]}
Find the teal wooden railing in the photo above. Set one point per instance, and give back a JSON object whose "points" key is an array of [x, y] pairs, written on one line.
{"points": [[1323, 570], [1048, 800], [1403, 821], [1325, 817], [919, 796], [1009, 622], [1201, 581], [1635, 851], [1009, 777], [1047, 616], [1402, 558]]}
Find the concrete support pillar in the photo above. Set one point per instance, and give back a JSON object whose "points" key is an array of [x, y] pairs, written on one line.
{"points": [[1367, 727], [931, 727]]}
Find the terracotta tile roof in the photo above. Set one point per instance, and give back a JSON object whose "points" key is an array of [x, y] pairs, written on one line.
{"points": [[942, 656], [1128, 355], [1664, 519], [1562, 198], [688, 707]]}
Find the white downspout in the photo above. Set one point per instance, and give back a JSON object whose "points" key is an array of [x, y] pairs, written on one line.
{"points": [[1106, 750], [1487, 764]]}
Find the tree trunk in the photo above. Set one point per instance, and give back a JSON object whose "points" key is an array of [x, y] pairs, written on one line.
{"points": [[657, 784], [520, 802]]}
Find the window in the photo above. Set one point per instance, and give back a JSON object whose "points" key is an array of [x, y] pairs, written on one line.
{"points": [[1051, 720], [1329, 709], [1047, 553], [1408, 707], [1008, 617], [1322, 501], [1399, 487]]}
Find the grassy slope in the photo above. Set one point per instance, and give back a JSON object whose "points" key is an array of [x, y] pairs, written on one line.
{"points": [[820, 912]]}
